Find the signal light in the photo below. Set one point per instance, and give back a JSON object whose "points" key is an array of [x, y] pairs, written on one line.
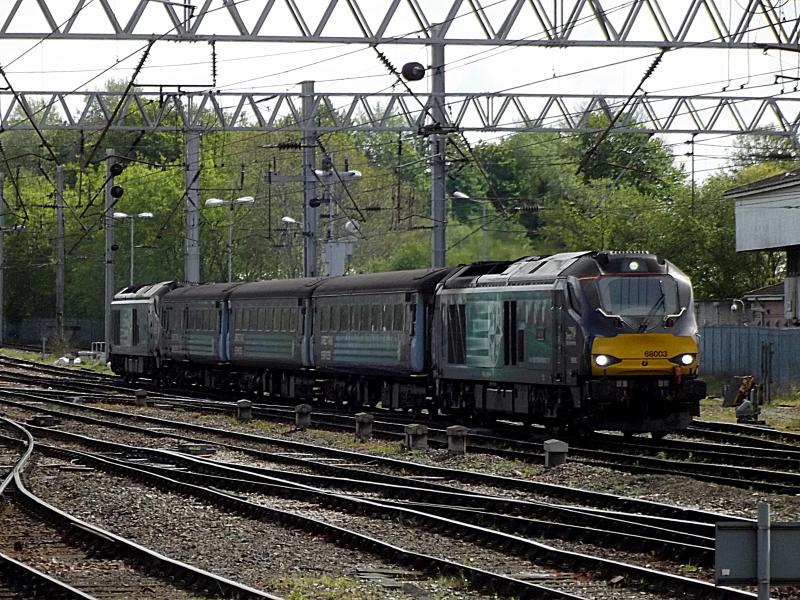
{"points": [[117, 191], [116, 169]]}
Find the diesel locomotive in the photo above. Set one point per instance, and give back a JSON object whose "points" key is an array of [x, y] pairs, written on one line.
{"points": [[581, 340]]}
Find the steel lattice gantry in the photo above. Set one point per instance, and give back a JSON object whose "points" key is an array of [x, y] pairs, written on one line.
{"points": [[663, 23], [222, 111]]}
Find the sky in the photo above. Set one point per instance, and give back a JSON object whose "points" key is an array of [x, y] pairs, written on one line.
{"points": [[52, 65]]}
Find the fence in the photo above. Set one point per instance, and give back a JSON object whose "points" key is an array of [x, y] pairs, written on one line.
{"points": [[78, 333], [772, 355]]}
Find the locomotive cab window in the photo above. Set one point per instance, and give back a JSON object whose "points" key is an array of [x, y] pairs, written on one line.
{"points": [[638, 296]]}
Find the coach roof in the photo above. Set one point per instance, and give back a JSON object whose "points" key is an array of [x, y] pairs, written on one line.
{"points": [[417, 280], [211, 291], [277, 288]]}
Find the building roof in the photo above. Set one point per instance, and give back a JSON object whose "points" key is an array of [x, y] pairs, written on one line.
{"points": [[781, 180], [769, 292]]}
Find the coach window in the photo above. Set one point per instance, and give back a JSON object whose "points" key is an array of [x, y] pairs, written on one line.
{"points": [[365, 317], [292, 320], [115, 325], [135, 326], [375, 317], [398, 322], [386, 318]]}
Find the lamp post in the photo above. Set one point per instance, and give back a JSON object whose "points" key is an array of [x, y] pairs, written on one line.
{"points": [[287, 223], [230, 204], [121, 216], [485, 246]]}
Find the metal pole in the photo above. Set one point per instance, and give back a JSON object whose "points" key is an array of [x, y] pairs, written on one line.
{"points": [[310, 217], [192, 212], [230, 242], [108, 224], [763, 551], [131, 269], [438, 147], [2, 259], [484, 223], [60, 252]]}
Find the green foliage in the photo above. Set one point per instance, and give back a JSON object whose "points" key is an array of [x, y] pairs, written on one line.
{"points": [[629, 195]]}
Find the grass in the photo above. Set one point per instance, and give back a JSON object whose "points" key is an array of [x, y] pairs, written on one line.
{"points": [[48, 359], [350, 588], [323, 588]]}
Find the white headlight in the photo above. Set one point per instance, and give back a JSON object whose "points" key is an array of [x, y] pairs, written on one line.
{"points": [[601, 360], [687, 359]]}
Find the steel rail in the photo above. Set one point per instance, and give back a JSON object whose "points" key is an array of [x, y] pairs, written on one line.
{"points": [[479, 577], [497, 539], [751, 430], [26, 578], [365, 480], [511, 515], [597, 499], [196, 578]]}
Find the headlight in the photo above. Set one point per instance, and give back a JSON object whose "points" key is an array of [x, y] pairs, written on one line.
{"points": [[604, 360], [683, 359]]}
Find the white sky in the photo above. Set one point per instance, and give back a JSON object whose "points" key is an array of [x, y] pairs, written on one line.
{"points": [[268, 67]]}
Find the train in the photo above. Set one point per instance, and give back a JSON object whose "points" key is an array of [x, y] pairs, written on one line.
{"points": [[578, 341]]}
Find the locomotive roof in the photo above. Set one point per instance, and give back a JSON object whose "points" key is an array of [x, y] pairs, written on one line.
{"points": [[416, 280], [546, 269], [531, 269], [145, 291], [211, 291], [277, 288]]}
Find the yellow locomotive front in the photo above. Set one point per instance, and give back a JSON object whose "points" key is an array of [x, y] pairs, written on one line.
{"points": [[641, 360]]}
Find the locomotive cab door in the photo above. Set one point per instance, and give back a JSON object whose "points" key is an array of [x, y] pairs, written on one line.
{"points": [[558, 371]]}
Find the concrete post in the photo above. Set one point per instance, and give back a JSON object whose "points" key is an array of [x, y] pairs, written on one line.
{"points": [[364, 426], [2, 259], [60, 253], [457, 439], [438, 148], [309, 147], [763, 551], [555, 453], [140, 397], [302, 416], [192, 210], [416, 437], [108, 226], [244, 410]]}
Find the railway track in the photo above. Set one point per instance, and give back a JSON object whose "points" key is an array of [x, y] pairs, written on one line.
{"points": [[769, 467], [204, 478], [641, 531], [48, 553]]}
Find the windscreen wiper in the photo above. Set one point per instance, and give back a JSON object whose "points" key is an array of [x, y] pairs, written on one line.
{"points": [[658, 303]]}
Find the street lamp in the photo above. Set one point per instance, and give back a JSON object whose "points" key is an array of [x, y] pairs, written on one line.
{"points": [[289, 222], [230, 204], [121, 216], [483, 203]]}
